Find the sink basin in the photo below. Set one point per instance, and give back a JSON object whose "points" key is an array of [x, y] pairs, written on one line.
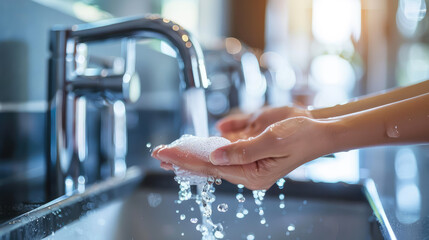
{"points": [[143, 206]]}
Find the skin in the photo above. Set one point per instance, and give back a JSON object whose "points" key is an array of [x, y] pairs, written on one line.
{"points": [[258, 161], [241, 126]]}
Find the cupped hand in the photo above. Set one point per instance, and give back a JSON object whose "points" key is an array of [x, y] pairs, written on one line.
{"points": [[257, 162], [242, 126]]}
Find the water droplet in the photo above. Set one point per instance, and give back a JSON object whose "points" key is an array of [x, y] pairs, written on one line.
{"points": [[154, 199], [240, 198], [291, 228], [287, 233], [218, 235], [218, 181], [245, 211], [183, 234], [280, 183], [239, 215], [241, 186], [182, 217], [210, 180], [223, 207], [194, 220], [281, 196], [263, 221], [250, 237], [177, 211], [393, 131], [281, 205], [148, 145], [192, 209], [261, 211]]}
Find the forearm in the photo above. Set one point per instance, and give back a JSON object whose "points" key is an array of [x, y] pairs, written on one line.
{"points": [[403, 122], [372, 101]]}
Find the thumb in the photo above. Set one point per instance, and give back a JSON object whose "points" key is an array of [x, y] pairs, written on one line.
{"points": [[243, 151], [232, 123]]}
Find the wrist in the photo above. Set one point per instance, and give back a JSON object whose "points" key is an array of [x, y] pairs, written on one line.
{"points": [[334, 132]]}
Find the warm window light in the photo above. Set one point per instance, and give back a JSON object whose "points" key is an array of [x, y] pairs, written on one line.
{"points": [[332, 71], [334, 21], [184, 12]]}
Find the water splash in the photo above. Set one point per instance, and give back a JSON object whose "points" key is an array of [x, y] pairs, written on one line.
{"points": [[280, 183], [240, 198], [204, 198], [241, 211], [282, 202], [259, 195]]}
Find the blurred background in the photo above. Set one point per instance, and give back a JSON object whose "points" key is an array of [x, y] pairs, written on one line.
{"points": [[258, 52]]}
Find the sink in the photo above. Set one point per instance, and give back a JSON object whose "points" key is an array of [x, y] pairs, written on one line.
{"points": [[142, 205]]}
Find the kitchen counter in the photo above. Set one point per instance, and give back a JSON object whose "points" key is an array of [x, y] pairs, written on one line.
{"points": [[401, 175]]}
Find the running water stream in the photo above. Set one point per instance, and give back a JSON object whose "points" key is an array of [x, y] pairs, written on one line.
{"points": [[196, 111]]}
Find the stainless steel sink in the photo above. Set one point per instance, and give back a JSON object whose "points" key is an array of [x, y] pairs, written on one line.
{"points": [[142, 206]]}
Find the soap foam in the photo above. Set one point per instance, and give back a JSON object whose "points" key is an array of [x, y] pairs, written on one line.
{"points": [[200, 146]]}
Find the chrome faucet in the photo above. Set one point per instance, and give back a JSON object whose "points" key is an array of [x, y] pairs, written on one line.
{"points": [[71, 85]]}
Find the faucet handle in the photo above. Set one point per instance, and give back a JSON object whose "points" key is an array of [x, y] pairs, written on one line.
{"points": [[125, 87], [115, 84]]}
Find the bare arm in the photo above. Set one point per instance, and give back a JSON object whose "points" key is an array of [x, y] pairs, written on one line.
{"points": [[402, 122], [372, 101], [258, 162], [243, 126]]}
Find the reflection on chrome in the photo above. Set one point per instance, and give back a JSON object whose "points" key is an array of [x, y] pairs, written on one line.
{"points": [[408, 197]]}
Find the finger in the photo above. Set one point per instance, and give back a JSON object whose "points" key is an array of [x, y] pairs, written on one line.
{"points": [[199, 166], [234, 136], [156, 150], [260, 174], [176, 155], [232, 123], [245, 151], [167, 166]]}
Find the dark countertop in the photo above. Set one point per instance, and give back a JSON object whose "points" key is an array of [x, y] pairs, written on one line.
{"points": [[401, 175]]}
